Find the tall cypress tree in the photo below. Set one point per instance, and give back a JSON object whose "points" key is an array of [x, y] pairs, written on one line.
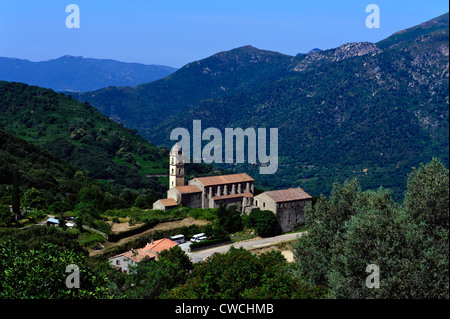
{"points": [[16, 194]]}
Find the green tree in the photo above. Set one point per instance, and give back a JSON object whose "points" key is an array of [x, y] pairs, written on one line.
{"points": [[324, 220], [34, 198], [154, 279], [129, 196], [264, 222], [92, 195], [409, 243], [427, 195], [86, 214], [59, 207], [241, 274], [146, 200], [6, 216], [427, 204], [16, 193], [376, 234], [229, 218], [41, 273], [36, 236]]}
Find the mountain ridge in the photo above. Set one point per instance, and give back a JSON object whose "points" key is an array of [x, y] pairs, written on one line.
{"points": [[76, 73], [405, 35], [219, 75]]}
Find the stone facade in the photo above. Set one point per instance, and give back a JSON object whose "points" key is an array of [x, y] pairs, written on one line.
{"points": [[288, 205], [188, 196], [176, 167], [236, 189], [165, 204], [291, 213], [204, 192]]}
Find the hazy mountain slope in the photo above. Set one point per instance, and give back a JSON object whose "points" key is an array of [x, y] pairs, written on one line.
{"points": [[70, 73], [222, 74]]}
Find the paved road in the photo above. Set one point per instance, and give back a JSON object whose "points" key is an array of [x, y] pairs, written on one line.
{"points": [[198, 256]]}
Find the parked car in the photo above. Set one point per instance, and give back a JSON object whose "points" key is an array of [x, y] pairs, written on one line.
{"points": [[196, 237]]}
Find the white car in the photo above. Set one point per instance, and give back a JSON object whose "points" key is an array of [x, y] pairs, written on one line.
{"points": [[200, 239], [196, 237]]}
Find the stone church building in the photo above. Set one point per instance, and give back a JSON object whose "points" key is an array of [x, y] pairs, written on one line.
{"points": [[287, 204], [234, 189]]}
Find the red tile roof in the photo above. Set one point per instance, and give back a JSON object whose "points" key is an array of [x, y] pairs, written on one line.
{"points": [[151, 250], [188, 189], [243, 194], [168, 202], [225, 179], [160, 245], [285, 195], [138, 255]]}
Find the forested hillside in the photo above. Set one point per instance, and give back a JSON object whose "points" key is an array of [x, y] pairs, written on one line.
{"points": [[79, 134], [36, 168]]}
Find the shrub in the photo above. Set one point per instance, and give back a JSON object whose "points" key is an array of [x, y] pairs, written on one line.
{"points": [[264, 222], [229, 218]]}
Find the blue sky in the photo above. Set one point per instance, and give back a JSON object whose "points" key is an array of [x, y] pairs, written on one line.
{"points": [[176, 32]]}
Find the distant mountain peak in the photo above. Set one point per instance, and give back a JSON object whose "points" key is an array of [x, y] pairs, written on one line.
{"points": [[248, 48], [80, 74], [247, 54], [345, 51], [440, 23], [314, 50], [71, 57]]}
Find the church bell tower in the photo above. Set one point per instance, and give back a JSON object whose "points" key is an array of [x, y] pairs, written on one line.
{"points": [[176, 167]]}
